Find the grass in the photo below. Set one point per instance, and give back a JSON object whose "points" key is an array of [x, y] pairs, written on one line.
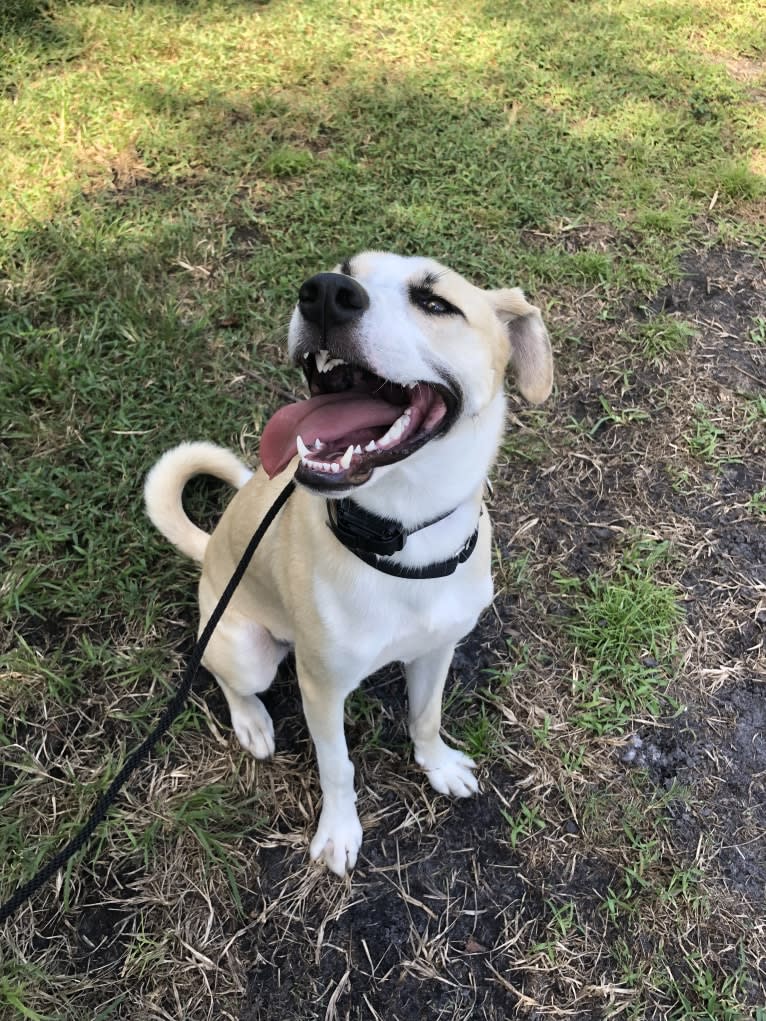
{"points": [[662, 335], [522, 826], [758, 332], [623, 629], [704, 441], [171, 172]]}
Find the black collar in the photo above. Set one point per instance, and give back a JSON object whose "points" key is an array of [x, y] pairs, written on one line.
{"points": [[370, 538]]}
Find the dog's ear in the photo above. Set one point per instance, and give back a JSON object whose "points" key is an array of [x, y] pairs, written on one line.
{"points": [[531, 358]]}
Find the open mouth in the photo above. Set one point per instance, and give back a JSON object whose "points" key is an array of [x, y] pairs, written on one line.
{"points": [[354, 421]]}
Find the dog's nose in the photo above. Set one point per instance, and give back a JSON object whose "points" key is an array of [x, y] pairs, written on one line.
{"points": [[330, 299]]}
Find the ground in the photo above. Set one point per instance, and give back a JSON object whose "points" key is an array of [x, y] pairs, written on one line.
{"points": [[490, 906], [174, 171], [441, 903]]}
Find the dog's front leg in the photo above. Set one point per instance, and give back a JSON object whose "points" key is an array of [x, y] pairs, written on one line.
{"points": [[339, 834], [449, 770]]}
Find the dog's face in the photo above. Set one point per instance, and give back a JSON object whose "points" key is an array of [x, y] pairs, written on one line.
{"points": [[397, 351]]}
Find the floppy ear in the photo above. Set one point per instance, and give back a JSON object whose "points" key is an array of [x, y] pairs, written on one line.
{"points": [[531, 358]]}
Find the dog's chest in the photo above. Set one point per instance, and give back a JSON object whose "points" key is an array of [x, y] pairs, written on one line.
{"points": [[378, 620]]}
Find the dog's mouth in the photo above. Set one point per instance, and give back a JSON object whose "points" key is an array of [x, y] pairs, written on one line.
{"points": [[354, 421]]}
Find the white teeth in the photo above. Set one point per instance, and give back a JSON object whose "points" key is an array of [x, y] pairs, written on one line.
{"points": [[372, 445], [396, 430], [324, 362], [321, 466], [357, 449], [411, 386], [320, 358]]}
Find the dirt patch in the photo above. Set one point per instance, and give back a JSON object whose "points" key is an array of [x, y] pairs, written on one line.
{"points": [[400, 955], [716, 759], [723, 293]]}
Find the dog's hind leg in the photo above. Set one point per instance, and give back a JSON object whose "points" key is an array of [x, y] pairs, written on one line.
{"points": [[244, 657], [449, 770]]}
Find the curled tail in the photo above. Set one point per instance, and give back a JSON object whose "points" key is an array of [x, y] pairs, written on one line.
{"points": [[165, 485]]}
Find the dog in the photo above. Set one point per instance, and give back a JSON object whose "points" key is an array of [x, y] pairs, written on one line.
{"points": [[383, 552]]}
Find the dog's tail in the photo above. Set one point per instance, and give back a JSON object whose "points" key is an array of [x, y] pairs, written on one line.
{"points": [[165, 485]]}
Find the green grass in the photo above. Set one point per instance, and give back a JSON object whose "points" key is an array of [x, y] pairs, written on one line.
{"points": [[758, 332], [481, 736], [609, 416], [623, 628], [170, 173], [705, 436], [522, 825], [662, 335]]}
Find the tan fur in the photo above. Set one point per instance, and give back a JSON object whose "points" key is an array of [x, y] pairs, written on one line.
{"points": [[305, 590], [165, 485]]}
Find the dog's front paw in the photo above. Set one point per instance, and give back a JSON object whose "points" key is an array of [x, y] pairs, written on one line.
{"points": [[253, 727], [338, 839], [450, 771]]}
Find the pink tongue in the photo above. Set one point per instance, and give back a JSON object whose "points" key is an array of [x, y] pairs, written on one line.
{"points": [[329, 417]]}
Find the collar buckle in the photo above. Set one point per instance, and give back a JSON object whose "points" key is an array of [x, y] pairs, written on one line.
{"points": [[359, 529]]}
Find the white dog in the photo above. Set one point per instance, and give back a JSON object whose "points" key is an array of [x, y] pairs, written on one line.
{"points": [[383, 551]]}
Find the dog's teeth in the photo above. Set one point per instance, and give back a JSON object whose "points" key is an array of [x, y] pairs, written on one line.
{"points": [[321, 358], [318, 444], [411, 386], [303, 450], [357, 449], [324, 362], [334, 467], [372, 445], [345, 461], [320, 466], [396, 430]]}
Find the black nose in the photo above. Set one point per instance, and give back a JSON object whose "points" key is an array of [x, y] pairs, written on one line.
{"points": [[329, 299]]}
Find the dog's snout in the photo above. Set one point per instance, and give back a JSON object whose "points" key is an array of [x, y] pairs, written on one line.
{"points": [[329, 299]]}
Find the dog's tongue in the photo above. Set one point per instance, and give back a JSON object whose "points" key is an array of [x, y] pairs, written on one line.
{"points": [[328, 417]]}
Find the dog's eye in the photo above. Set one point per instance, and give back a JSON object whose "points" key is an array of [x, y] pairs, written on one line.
{"points": [[431, 304], [439, 308]]}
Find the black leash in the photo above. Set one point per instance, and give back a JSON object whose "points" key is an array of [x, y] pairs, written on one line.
{"points": [[366, 535], [171, 712]]}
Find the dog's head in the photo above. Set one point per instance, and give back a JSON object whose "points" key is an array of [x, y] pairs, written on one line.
{"points": [[397, 351]]}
